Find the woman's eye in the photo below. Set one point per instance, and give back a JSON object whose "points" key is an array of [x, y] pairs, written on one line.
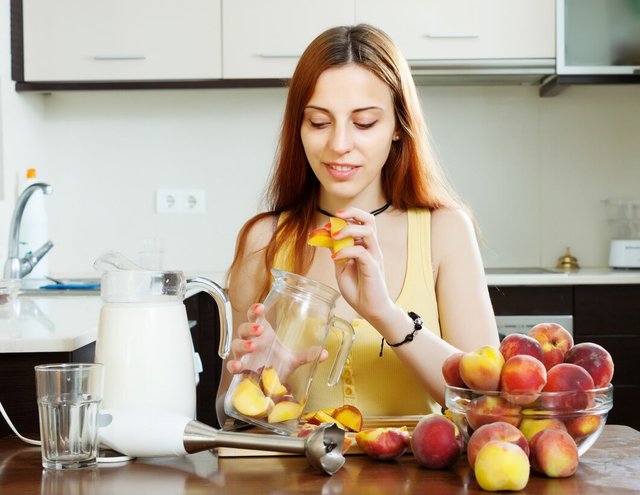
{"points": [[318, 124], [364, 125]]}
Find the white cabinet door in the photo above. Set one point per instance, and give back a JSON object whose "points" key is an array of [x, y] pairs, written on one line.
{"points": [[465, 29], [91, 40], [265, 38]]}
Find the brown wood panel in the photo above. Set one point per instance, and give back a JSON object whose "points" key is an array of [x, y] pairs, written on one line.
{"points": [[532, 300], [607, 310], [625, 408]]}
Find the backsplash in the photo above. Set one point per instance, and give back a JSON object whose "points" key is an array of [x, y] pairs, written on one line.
{"points": [[534, 170]]}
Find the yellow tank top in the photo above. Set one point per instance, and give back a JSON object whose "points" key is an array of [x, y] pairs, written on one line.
{"points": [[383, 386]]}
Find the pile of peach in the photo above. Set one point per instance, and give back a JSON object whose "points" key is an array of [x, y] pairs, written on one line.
{"points": [[527, 403], [261, 395]]}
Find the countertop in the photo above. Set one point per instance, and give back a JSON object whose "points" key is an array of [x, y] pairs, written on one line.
{"points": [[611, 466], [584, 276], [49, 323]]}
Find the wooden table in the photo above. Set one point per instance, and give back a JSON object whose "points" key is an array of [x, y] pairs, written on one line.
{"points": [[612, 466]]}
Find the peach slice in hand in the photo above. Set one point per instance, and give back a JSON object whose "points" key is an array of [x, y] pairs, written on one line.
{"points": [[323, 237]]}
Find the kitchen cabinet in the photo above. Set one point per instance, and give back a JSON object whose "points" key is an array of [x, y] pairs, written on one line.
{"points": [[119, 40], [265, 38], [607, 314], [465, 29]]}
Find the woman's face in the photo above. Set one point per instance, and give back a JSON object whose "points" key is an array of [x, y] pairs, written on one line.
{"points": [[347, 131]]}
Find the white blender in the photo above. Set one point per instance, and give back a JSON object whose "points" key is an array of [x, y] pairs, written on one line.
{"points": [[624, 219]]}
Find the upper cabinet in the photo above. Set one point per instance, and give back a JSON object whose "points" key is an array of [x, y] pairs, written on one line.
{"points": [[119, 40], [264, 39], [465, 29]]}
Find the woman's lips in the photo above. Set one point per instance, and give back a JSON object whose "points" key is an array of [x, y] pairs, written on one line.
{"points": [[341, 171]]}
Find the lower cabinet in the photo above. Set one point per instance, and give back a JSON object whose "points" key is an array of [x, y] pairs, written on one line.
{"points": [[608, 315]]}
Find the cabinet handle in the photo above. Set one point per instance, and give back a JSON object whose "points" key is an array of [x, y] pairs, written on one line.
{"points": [[119, 57], [278, 55], [451, 35]]}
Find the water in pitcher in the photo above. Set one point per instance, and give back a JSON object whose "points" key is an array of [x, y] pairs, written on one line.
{"points": [[69, 429]]}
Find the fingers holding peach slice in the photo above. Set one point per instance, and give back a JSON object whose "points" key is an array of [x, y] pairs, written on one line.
{"points": [[323, 236]]}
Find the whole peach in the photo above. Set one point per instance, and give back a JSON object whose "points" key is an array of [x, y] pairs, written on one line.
{"points": [[451, 370], [491, 408], [501, 466], [595, 359], [554, 453], [555, 341], [518, 343], [522, 379], [480, 369], [530, 426], [494, 431], [570, 378], [436, 442], [582, 426]]}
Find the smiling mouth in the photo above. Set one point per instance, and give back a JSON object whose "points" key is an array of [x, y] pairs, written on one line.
{"points": [[341, 168]]}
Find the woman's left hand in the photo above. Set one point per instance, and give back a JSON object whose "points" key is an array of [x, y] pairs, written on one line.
{"points": [[361, 278]]}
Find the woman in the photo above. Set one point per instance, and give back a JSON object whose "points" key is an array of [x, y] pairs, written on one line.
{"points": [[354, 145]]}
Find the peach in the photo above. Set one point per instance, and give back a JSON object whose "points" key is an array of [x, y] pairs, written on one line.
{"points": [[554, 453], [384, 444], [323, 236], [451, 370], [595, 359], [271, 386], [555, 341], [530, 426], [436, 442], [518, 343], [349, 416], [480, 369], [522, 379], [249, 400], [284, 411], [582, 426], [570, 378], [489, 409], [320, 417], [501, 466], [495, 431]]}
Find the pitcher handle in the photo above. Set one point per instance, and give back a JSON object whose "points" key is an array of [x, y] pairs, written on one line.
{"points": [[224, 310], [348, 336]]}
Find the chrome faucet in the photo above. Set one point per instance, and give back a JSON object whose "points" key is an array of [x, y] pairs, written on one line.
{"points": [[16, 267]]}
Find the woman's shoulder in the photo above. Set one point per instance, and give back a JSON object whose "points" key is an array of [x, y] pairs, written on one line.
{"points": [[451, 227], [259, 231]]}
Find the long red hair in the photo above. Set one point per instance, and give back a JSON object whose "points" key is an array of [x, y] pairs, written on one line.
{"points": [[411, 176]]}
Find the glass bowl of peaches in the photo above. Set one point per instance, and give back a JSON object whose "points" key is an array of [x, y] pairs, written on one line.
{"points": [[565, 388]]}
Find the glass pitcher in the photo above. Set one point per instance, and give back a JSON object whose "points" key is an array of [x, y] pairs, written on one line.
{"points": [[273, 389]]}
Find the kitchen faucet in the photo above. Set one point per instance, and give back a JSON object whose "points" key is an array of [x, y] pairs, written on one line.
{"points": [[16, 267]]}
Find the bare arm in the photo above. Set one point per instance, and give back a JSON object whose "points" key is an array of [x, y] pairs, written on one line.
{"points": [[465, 311]]}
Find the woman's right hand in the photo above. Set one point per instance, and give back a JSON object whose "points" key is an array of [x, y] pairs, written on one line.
{"points": [[247, 341], [255, 339]]}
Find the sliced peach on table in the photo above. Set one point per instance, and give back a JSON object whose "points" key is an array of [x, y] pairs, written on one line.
{"points": [[349, 416], [320, 417], [271, 385], [284, 411], [383, 444], [249, 400]]}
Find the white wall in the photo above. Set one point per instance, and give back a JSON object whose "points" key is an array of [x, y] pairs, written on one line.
{"points": [[534, 170]]}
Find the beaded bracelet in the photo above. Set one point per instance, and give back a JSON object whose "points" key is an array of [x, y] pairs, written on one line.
{"points": [[417, 326]]}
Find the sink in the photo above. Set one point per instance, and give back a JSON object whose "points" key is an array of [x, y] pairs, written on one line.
{"points": [[71, 286]]}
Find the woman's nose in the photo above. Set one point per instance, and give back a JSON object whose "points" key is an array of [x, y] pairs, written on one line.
{"points": [[341, 140]]}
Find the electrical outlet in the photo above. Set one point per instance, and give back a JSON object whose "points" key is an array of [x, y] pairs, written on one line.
{"points": [[181, 201]]}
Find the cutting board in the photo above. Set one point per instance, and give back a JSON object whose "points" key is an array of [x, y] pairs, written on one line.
{"points": [[370, 422]]}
